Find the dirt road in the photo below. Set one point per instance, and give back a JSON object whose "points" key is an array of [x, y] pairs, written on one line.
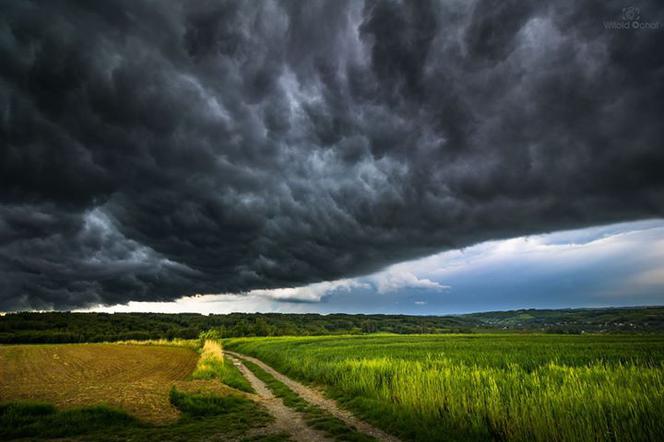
{"points": [[286, 420], [315, 397]]}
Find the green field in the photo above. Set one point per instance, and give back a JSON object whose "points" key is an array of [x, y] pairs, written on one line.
{"points": [[484, 387]]}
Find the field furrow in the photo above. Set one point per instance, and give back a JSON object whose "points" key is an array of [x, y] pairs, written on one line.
{"points": [[136, 378]]}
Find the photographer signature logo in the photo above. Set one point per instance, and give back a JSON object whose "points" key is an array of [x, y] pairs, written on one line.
{"points": [[631, 13], [630, 20]]}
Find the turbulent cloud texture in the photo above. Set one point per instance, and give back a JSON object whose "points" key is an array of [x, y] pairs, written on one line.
{"points": [[155, 149]]}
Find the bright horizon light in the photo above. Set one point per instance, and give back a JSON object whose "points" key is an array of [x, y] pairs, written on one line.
{"points": [[614, 265]]}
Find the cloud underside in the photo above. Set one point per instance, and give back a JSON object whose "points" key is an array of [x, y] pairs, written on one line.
{"points": [[152, 150]]}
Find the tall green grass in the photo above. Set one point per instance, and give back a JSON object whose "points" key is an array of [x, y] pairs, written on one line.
{"points": [[507, 387]]}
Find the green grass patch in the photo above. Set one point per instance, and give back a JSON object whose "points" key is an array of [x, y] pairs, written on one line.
{"points": [[213, 365], [485, 387], [31, 419], [314, 416], [207, 404], [204, 417], [232, 377]]}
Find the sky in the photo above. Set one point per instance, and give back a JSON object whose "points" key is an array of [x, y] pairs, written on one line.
{"points": [[361, 156], [607, 266]]}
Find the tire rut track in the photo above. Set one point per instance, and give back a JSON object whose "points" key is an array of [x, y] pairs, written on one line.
{"points": [[315, 397], [286, 420]]}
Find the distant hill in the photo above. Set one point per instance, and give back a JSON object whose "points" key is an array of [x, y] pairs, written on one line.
{"points": [[601, 320], [27, 327]]}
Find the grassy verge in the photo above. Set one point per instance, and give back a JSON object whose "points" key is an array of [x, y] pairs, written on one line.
{"points": [[204, 416], [213, 365], [315, 416]]}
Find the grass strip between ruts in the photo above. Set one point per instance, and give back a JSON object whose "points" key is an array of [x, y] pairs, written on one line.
{"points": [[315, 416]]}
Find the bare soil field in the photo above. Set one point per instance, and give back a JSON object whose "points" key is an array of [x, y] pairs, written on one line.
{"points": [[135, 378]]}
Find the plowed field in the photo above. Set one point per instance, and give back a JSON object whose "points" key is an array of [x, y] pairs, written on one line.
{"points": [[135, 378]]}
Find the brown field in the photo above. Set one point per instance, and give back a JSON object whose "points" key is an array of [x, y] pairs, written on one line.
{"points": [[136, 378]]}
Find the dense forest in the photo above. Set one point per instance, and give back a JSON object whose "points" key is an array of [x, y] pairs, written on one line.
{"points": [[50, 327]]}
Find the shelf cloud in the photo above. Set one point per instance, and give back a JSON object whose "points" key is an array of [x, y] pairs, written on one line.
{"points": [[154, 150]]}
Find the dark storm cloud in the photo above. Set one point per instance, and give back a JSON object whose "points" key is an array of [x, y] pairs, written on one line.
{"points": [[156, 149]]}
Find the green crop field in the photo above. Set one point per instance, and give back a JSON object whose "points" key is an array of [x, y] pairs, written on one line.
{"points": [[485, 387]]}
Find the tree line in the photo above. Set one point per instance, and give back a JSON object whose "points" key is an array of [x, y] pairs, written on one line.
{"points": [[66, 327], [63, 327]]}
